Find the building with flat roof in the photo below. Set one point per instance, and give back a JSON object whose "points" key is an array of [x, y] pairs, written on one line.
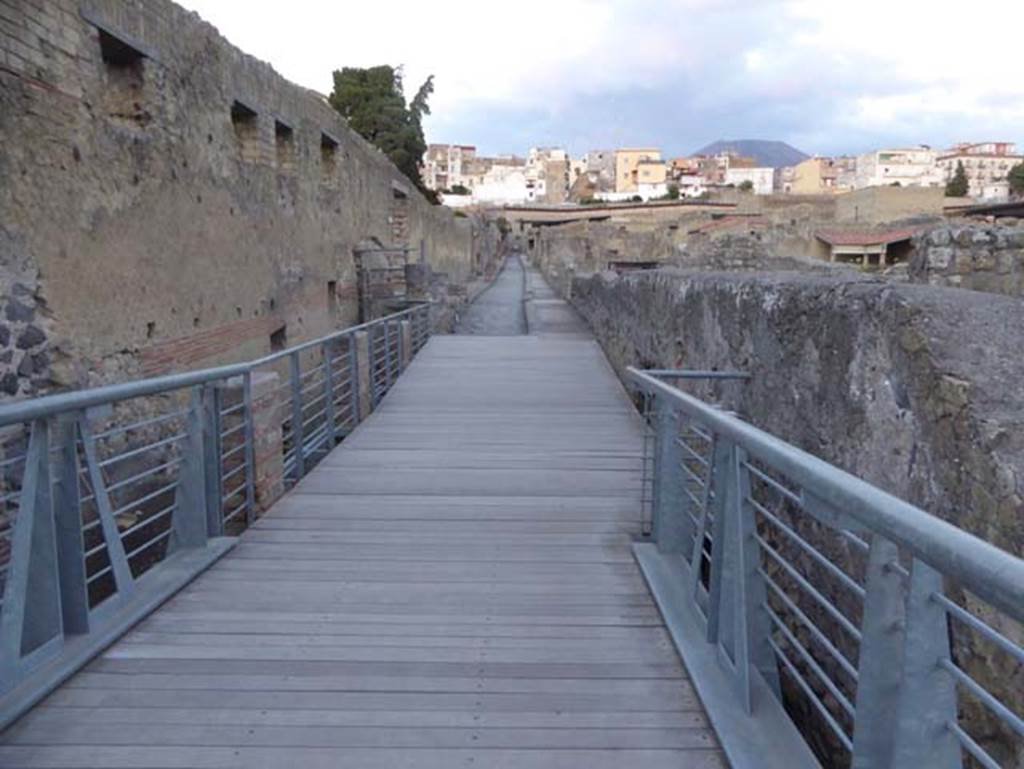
{"points": [[986, 164], [626, 163]]}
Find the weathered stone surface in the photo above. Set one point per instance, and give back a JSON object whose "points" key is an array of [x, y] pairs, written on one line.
{"points": [[30, 337], [9, 383], [18, 312], [982, 257], [170, 235]]}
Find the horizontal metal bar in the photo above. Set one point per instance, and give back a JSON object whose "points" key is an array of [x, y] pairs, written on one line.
{"points": [[671, 373], [972, 747], [838, 730], [695, 455], [815, 631], [992, 574], [808, 548], [813, 663], [693, 476], [233, 409], [235, 492], [12, 460], [140, 450], [114, 487], [93, 577], [234, 513], [161, 536], [788, 493], [140, 424], [59, 403], [142, 500], [232, 430], [810, 589], [149, 520], [973, 622], [1008, 716], [232, 473], [232, 452]]}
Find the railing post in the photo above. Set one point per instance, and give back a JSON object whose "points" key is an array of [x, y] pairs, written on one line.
{"points": [[329, 418], [191, 519], [68, 520], [213, 472], [295, 377], [671, 525], [753, 625], [31, 614], [405, 346], [387, 355], [123, 579], [927, 696], [722, 577], [355, 389], [881, 644], [249, 414]]}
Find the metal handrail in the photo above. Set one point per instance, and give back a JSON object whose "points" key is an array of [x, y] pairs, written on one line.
{"points": [[58, 612], [907, 681], [58, 403], [992, 573]]}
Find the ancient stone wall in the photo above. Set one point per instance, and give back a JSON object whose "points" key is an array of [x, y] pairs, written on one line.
{"points": [[982, 257], [168, 201], [916, 389]]}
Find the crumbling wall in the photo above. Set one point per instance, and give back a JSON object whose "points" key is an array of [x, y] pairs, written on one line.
{"points": [[169, 202], [982, 257]]}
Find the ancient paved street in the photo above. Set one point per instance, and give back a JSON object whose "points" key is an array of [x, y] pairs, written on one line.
{"points": [[498, 311]]}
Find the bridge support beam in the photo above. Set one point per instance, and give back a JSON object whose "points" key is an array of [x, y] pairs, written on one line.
{"points": [[365, 389]]}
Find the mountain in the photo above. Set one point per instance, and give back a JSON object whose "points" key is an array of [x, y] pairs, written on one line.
{"points": [[767, 153]]}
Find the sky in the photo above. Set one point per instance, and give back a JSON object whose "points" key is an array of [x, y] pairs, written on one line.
{"points": [[828, 76]]}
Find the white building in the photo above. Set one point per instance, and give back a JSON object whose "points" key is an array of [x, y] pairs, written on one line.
{"points": [[762, 179], [986, 165], [906, 167]]}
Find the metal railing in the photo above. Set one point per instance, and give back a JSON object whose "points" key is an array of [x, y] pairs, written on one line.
{"points": [[113, 498], [807, 602]]}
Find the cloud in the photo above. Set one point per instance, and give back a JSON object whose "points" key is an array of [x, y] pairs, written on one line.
{"points": [[827, 75]]}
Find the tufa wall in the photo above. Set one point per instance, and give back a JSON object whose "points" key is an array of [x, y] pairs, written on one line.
{"points": [[167, 201], [982, 257], [916, 389]]}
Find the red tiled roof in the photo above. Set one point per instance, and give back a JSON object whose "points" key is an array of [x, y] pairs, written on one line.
{"points": [[863, 237]]}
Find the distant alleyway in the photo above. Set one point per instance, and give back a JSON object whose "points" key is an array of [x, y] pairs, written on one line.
{"points": [[498, 311]]}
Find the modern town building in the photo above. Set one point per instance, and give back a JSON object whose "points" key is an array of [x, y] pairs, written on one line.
{"points": [[762, 180], [905, 167], [626, 163], [986, 165]]}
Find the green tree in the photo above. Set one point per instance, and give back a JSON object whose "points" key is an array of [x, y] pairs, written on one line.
{"points": [[958, 187], [746, 186], [1016, 179], [460, 189], [373, 102]]}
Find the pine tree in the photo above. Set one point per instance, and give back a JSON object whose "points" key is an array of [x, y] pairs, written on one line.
{"points": [[958, 186]]}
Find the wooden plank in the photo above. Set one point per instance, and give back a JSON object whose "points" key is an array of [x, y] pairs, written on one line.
{"points": [[452, 587], [131, 757]]}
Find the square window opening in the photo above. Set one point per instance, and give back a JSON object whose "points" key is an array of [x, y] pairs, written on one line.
{"points": [[245, 122], [284, 140], [124, 97], [328, 158]]}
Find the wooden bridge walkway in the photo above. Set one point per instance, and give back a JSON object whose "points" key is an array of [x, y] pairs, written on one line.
{"points": [[451, 587]]}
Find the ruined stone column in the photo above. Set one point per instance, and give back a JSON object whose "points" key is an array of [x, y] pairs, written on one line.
{"points": [[362, 349]]}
